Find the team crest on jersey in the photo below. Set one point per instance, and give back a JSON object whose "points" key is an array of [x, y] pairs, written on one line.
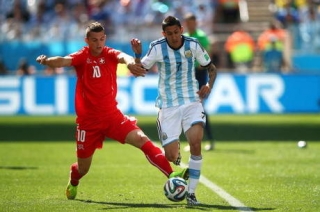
{"points": [[88, 61], [102, 61], [164, 136], [188, 53]]}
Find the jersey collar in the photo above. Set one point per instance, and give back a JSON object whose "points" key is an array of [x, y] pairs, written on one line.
{"points": [[182, 36]]}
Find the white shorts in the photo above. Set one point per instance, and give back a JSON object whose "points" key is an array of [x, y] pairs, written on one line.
{"points": [[172, 120]]}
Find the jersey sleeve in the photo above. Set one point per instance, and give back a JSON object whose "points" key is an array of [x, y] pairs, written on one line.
{"points": [[112, 57], [113, 53], [77, 58], [150, 58], [202, 55]]}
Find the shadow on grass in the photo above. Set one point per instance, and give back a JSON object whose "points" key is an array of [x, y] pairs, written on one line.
{"points": [[37, 132], [203, 207], [222, 132], [18, 167]]}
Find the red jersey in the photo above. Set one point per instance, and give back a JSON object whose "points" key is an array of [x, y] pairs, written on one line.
{"points": [[96, 88]]}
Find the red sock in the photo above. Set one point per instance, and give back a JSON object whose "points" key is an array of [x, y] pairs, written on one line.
{"points": [[74, 174], [156, 157]]}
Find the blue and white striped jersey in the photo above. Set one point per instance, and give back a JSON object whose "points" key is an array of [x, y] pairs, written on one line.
{"points": [[177, 84]]}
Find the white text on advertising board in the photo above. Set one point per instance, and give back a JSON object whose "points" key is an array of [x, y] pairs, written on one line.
{"points": [[137, 95]]}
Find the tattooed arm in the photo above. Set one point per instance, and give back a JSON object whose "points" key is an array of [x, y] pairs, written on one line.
{"points": [[206, 89]]}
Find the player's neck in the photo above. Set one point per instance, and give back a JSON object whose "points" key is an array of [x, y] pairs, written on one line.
{"points": [[95, 53], [177, 46]]}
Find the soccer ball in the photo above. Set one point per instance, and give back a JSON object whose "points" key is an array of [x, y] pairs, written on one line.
{"points": [[302, 144], [175, 189]]}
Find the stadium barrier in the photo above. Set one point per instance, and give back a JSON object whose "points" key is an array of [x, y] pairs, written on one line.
{"points": [[239, 94]]}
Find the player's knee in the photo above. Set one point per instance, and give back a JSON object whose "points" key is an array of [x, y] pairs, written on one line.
{"points": [[137, 138], [140, 138], [144, 138]]}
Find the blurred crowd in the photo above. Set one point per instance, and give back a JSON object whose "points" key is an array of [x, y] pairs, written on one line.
{"points": [[294, 28], [65, 20], [302, 19], [295, 25], [48, 20]]}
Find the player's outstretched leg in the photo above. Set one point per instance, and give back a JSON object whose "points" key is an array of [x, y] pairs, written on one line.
{"points": [[153, 153], [156, 157]]}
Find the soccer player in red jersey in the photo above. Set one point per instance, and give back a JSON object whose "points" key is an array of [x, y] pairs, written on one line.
{"points": [[96, 107]]}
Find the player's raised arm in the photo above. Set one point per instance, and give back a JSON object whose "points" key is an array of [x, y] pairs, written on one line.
{"points": [[137, 49], [54, 62], [135, 68]]}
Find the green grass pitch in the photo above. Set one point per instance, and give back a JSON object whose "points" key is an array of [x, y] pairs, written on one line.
{"points": [[256, 160]]}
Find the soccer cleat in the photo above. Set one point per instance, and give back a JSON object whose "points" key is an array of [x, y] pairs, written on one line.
{"points": [[184, 173], [71, 191], [191, 199]]}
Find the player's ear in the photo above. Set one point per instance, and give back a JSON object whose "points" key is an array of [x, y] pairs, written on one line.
{"points": [[181, 29], [164, 34], [86, 40]]}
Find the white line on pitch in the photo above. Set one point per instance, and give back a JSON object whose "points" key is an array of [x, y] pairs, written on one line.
{"points": [[223, 194]]}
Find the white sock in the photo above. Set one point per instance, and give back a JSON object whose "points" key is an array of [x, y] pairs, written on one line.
{"points": [[195, 163]]}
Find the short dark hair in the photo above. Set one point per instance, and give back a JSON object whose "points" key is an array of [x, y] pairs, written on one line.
{"points": [[94, 27], [170, 21]]}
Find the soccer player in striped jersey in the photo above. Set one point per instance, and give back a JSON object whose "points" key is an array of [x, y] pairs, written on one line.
{"points": [[179, 97]]}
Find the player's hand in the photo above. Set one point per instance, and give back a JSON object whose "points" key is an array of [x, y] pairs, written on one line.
{"points": [[136, 46], [137, 70], [204, 91], [41, 59]]}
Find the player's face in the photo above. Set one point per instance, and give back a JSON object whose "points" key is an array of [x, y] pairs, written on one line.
{"points": [[96, 41], [173, 35]]}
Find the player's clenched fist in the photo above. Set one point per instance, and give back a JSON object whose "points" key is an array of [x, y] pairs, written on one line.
{"points": [[136, 46], [41, 59], [204, 91]]}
